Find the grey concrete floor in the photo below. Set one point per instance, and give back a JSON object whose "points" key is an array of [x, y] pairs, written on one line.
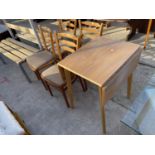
{"points": [[44, 114]]}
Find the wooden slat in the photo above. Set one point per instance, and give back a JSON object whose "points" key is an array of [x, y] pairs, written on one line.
{"points": [[13, 51], [10, 56], [23, 45], [19, 48], [90, 30], [67, 35], [107, 57], [20, 28], [28, 37], [68, 43], [92, 24], [65, 48], [70, 25]]}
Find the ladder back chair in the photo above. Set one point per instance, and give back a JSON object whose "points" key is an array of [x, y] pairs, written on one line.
{"points": [[54, 76], [46, 57], [90, 29], [66, 43], [46, 38], [69, 25]]}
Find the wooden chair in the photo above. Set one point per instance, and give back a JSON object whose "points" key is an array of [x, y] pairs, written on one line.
{"points": [[90, 29], [46, 57], [46, 38], [66, 43], [69, 25], [54, 76]]}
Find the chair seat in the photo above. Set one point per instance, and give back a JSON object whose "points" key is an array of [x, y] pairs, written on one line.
{"points": [[38, 60], [8, 124], [86, 37], [52, 74]]}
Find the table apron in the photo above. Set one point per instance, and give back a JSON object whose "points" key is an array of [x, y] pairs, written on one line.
{"points": [[115, 82]]}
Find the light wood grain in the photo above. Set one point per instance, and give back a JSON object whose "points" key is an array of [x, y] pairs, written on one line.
{"points": [[13, 51], [16, 47], [10, 56], [148, 32], [20, 28], [23, 45], [90, 27], [106, 63], [99, 59], [67, 43], [69, 25], [69, 88], [27, 36], [102, 104]]}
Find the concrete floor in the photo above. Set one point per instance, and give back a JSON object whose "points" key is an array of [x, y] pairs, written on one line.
{"points": [[44, 114]]}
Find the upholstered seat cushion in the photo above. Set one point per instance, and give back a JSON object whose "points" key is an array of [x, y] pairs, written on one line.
{"points": [[8, 124], [52, 74], [38, 60]]}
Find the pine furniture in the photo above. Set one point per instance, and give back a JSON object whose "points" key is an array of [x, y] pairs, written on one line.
{"points": [[68, 25], [46, 57], [53, 77], [105, 63], [90, 30]]}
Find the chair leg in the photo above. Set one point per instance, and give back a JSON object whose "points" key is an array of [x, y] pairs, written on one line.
{"points": [[48, 88], [65, 97], [44, 84], [39, 78], [37, 75], [83, 84]]}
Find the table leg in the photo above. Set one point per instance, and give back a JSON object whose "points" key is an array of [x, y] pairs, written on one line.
{"points": [[69, 88], [148, 32], [129, 86], [102, 108]]}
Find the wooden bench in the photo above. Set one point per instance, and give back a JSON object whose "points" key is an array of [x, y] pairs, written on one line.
{"points": [[16, 50]]}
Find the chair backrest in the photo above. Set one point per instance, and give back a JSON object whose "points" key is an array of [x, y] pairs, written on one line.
{"points": [[91, 27], [20, 28], [68, 25], [46, 38], [67, 42]]}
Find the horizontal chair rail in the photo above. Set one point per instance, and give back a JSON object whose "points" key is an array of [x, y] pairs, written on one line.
{"points": [[92, 24], [70, 36]]}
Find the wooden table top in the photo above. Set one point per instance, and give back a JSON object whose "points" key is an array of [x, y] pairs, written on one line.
{"points": [[100, 59]]}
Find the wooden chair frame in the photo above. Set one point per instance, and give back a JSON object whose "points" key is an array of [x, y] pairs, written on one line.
{"points": [[46, 36], [44, 33], [62, 88], [67, 42], [68, 25], [91, 27]]}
